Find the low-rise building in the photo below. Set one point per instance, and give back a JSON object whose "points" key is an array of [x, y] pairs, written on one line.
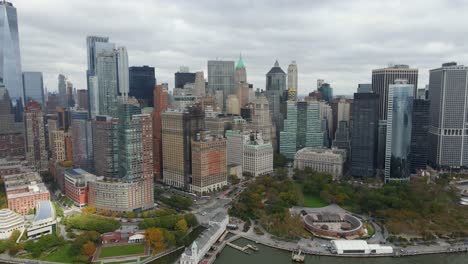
{"points": [[358, 247], [198, 249], [9, 222], [44, 222], [76, 185], [322, 160]]}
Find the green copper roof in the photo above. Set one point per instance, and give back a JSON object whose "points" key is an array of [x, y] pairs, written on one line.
{"points": [[240, 63]]}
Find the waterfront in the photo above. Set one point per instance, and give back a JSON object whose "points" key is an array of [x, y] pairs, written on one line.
{"points": [[276, 256]]}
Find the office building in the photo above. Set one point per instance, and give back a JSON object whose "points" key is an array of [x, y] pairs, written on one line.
{"points": [[292, 79], [364, 137], [106, 72], [36, 153], [302, 128], [235, 142], [448, 88], [382, 78], [11, 139], [327, 92], [341, 110], [419, 135], [364, 88], [70, 95], [241, 85], [82, 97], [199, 84], [258, 156], [122, 72], [232, 105], [221, 77], [399, 123], [33, 87], [325, 160], [381, 144], [277, 95], [105, 146], [95, 45], [261, 118], [342, 139], [7, 117], [62, 90], [10, 59], [142, 83], [183, 76], [209, 166], [160, 105], [178, 129]]}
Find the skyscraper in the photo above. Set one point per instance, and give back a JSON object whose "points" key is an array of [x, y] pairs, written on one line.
{"points": [[82, 96], [277, 95], [160, 105], [302, 128], [62, 90], [364, 134], [82, 141], [10, 59], [341, 110], [122, 72], [142, 83], [399, 123], [342, 140], [182, 77], [36, 153], [448, 91], [292, 77], [241, 85], [327, 92], [419, 134], [33, 87], [209, 166], [382, 78], [178, 129], [11, 141], [261, 118], [221, 77], [106, 146], [106, 72], [200, 84]]}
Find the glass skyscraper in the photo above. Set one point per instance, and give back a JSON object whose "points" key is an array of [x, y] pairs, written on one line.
{"points": [[221, 78], [33, 87], [10, 60], [399, 123]]}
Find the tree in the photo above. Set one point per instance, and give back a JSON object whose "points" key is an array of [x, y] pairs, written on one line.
{"points": [[89, 210], [181, 226], [279, 160], [233, 179], [14, 249], [129, 215], [155, 238], [88, 249]]}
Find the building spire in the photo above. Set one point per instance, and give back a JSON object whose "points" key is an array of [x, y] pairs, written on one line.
{"points": [[276, 63], [240, 62]]}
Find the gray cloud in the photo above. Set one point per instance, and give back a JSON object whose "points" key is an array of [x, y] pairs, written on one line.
{"points": [[339, 41]]}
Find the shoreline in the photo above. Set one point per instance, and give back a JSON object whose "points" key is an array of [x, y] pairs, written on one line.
{"points": [[395, 254]]}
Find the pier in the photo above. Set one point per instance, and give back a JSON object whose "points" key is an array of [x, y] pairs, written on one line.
{"points": [[243, 249]]}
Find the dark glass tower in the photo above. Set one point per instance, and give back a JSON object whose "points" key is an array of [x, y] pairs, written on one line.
{"points": [[142, 83], [419, 135], [182, 78], [364, 134]]}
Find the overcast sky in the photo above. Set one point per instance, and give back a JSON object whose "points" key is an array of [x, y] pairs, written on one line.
{"points": [[340, 41]]}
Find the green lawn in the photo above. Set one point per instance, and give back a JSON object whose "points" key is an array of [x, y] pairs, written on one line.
{"points": [[131, 249], [59, 255], [312, 201]]}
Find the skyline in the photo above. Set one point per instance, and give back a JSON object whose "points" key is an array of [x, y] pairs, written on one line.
{"points": [[331, 41]]}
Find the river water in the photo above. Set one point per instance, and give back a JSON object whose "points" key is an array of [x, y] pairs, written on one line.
{"points": [[269, 255]]}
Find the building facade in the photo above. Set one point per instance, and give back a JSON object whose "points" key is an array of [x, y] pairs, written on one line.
{"points": [[142, 83], [364, 137], [258, 156], [33, 87], [419, 135], [221, 77], [292, 78], [325, 160], [35, 142], [382, 78], [399, 123], [105, 146], [448, 89], [160, 105]]}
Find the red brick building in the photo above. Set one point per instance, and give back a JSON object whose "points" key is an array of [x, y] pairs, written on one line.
{"points": [[160, 105]]}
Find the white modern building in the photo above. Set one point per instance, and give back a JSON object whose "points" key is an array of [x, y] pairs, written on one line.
{"points": [[358, 247], [44, 222], [9, 222], [322, 160], [203, 243]]}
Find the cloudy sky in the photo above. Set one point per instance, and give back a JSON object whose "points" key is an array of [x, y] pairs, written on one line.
{"points": [[336, 40]]}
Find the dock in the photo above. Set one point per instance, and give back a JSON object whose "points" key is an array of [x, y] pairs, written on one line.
{"points": [[243, 249], [297, 256]]}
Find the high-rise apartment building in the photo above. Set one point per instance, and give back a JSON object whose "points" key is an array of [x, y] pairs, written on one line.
{"points": [[33, 87], [36, 153], [382, 78], [106, 146], [448, 91], [419, 135], [178, 129], [209, 166], [142, 83], [10, 59], [364, 134], [221, 77], [302, 128], [106, 72], [399, 123], [82, 141], [160, 105]]}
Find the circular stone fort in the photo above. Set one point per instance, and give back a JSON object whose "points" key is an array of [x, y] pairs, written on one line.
{"points": [[334, 225]]}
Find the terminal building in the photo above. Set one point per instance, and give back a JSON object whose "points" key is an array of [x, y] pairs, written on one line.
{"points": [[358, 247]]}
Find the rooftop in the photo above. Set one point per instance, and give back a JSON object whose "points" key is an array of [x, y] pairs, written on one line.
{"points": [[44, 210]]}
